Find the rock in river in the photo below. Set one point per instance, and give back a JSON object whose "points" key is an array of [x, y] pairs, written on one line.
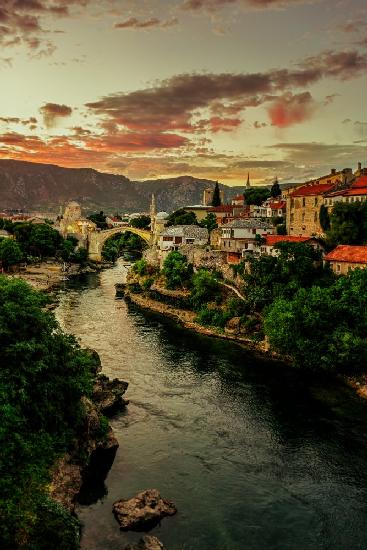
{"points": [[146, 543], [108, 395], [142, 512]]}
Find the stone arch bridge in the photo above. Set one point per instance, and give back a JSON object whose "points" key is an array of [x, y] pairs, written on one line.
{"points": [[96, 239]]}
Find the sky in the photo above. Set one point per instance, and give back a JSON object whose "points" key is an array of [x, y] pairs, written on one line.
{"points": [[210, 88]]}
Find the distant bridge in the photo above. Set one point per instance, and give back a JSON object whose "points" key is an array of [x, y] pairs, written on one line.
{"points": [[96, 239]]}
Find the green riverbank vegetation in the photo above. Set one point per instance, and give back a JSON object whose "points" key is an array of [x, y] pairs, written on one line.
{"points": [[292, 300], [43, 375]]}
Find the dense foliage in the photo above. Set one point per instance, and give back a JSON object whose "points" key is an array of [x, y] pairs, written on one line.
{"points": [[348, 224], [323, 327], [43, 374], [204, 287], [256, 195], [176, 270], [216, 200], [40, 240], [99, 218], [142, 222], [10, 253], [210, 222], [297, 266], [181, 217], [275, 190]]}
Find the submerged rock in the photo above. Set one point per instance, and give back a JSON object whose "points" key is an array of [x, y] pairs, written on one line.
{"points": [[146, 543], [108, 395], [143, 512]]}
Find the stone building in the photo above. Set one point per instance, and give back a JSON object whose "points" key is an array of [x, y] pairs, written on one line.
{"points": [[304, 203], [345, 258], [208, 196], [73, 223], [241, 235]]}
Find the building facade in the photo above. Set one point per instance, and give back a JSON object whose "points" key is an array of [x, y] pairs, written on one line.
{"points": [[346, 258]]}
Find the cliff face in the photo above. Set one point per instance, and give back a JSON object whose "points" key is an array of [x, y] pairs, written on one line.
{"points": [[32, 186]]}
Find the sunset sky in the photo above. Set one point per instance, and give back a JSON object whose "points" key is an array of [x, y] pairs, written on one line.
{"points": [[211, 88]]}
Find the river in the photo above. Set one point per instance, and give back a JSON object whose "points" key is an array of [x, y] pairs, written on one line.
{"points": [[253, 455]]}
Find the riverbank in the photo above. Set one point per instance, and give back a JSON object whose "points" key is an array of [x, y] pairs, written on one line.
{"points": [[186, 318], [48, 274]]}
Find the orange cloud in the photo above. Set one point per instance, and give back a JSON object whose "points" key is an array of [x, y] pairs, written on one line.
{"points": [[290, 109]]}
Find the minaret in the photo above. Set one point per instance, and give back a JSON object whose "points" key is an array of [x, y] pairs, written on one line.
{"points": [[248, 184], [153, 213]]}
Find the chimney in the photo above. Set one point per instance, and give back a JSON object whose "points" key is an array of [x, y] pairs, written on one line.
{"points": [[333, 171], [359, 167]]}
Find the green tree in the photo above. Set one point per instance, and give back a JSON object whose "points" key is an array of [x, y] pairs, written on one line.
{"points": [[10, 253], [216, 201], [268, 277], [275, 190], [324, 218], [323, 328], [181, 217], [281, 229], [43, 375], [142, 222], [210, 222], [348, 224], [99, 218], [256, 195], [204, 288], [176, 270]]}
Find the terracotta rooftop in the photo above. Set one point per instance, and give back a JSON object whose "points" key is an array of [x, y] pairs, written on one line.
{"points": [[271, 240], [313, 189], [278, 204], [360, 182], [347, 253], [355, 192]]}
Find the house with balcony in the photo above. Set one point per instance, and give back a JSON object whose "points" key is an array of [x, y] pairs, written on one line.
{"points": [[243, 235], [177, 236]]}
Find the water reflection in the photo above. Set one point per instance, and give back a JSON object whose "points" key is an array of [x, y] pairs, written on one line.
{"points": [[254, 455]]}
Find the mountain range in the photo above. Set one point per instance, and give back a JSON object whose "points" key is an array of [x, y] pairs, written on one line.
{"points": [[45, 187]]}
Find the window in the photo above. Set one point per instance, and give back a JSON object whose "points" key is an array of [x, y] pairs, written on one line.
{"points": [[338, 268], [315, 217], [292, 217], [303, 217], [303, 202], [316, 201]]}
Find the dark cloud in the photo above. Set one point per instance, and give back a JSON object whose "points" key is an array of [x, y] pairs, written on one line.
{"points": [[321, 156], [153, 22], [53, 111], [290, 109], [175, 103], [215, 5]]}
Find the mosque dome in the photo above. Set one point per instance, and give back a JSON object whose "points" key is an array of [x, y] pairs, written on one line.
{"points": [[162, 216]]}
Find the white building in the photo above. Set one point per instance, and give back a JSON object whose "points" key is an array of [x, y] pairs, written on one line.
{"points": [[176, 236]]}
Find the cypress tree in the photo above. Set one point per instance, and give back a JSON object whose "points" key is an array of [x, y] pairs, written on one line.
{"points": [[216, 196]]}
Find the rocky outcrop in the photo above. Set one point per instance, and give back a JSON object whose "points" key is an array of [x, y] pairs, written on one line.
{"points": [[146, 543], [142, 512], [108, 395]]}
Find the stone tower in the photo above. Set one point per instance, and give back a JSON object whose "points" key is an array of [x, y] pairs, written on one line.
{"points": [[153, 213]]}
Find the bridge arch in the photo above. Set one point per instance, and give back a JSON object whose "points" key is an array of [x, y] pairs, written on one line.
{"points": [[97, 239]]}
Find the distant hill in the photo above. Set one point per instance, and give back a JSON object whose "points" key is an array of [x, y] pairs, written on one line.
{"points": [[33, 186]]}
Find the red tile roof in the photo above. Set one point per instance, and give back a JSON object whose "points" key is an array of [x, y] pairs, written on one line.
{"points": [[271, 240], [313, 189], [347, 253], [277, 205], [360, 182], [355, 192], [238, 198]]}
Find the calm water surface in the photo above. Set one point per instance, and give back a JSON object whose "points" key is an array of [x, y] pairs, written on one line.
{"points": [[253, 456]]}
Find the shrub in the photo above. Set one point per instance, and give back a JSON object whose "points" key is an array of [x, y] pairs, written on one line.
{"points": [[176, 270]]}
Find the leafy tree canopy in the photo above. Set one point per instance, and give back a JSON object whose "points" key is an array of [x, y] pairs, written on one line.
{"points": [[43, 375], [181, 217], [142, 222], [176, 270], [275, 190], [10, 253], [256, 195], [210, 222], [99, 219], [323, 327], [204, 288], [348, 224]]}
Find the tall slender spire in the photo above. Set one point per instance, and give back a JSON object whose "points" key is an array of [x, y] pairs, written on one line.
{"points": [[248, 184], [153, 207]]}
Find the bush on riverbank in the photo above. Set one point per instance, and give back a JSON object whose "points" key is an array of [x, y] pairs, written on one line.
{"points": [[323, 327], [43, 375]]}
